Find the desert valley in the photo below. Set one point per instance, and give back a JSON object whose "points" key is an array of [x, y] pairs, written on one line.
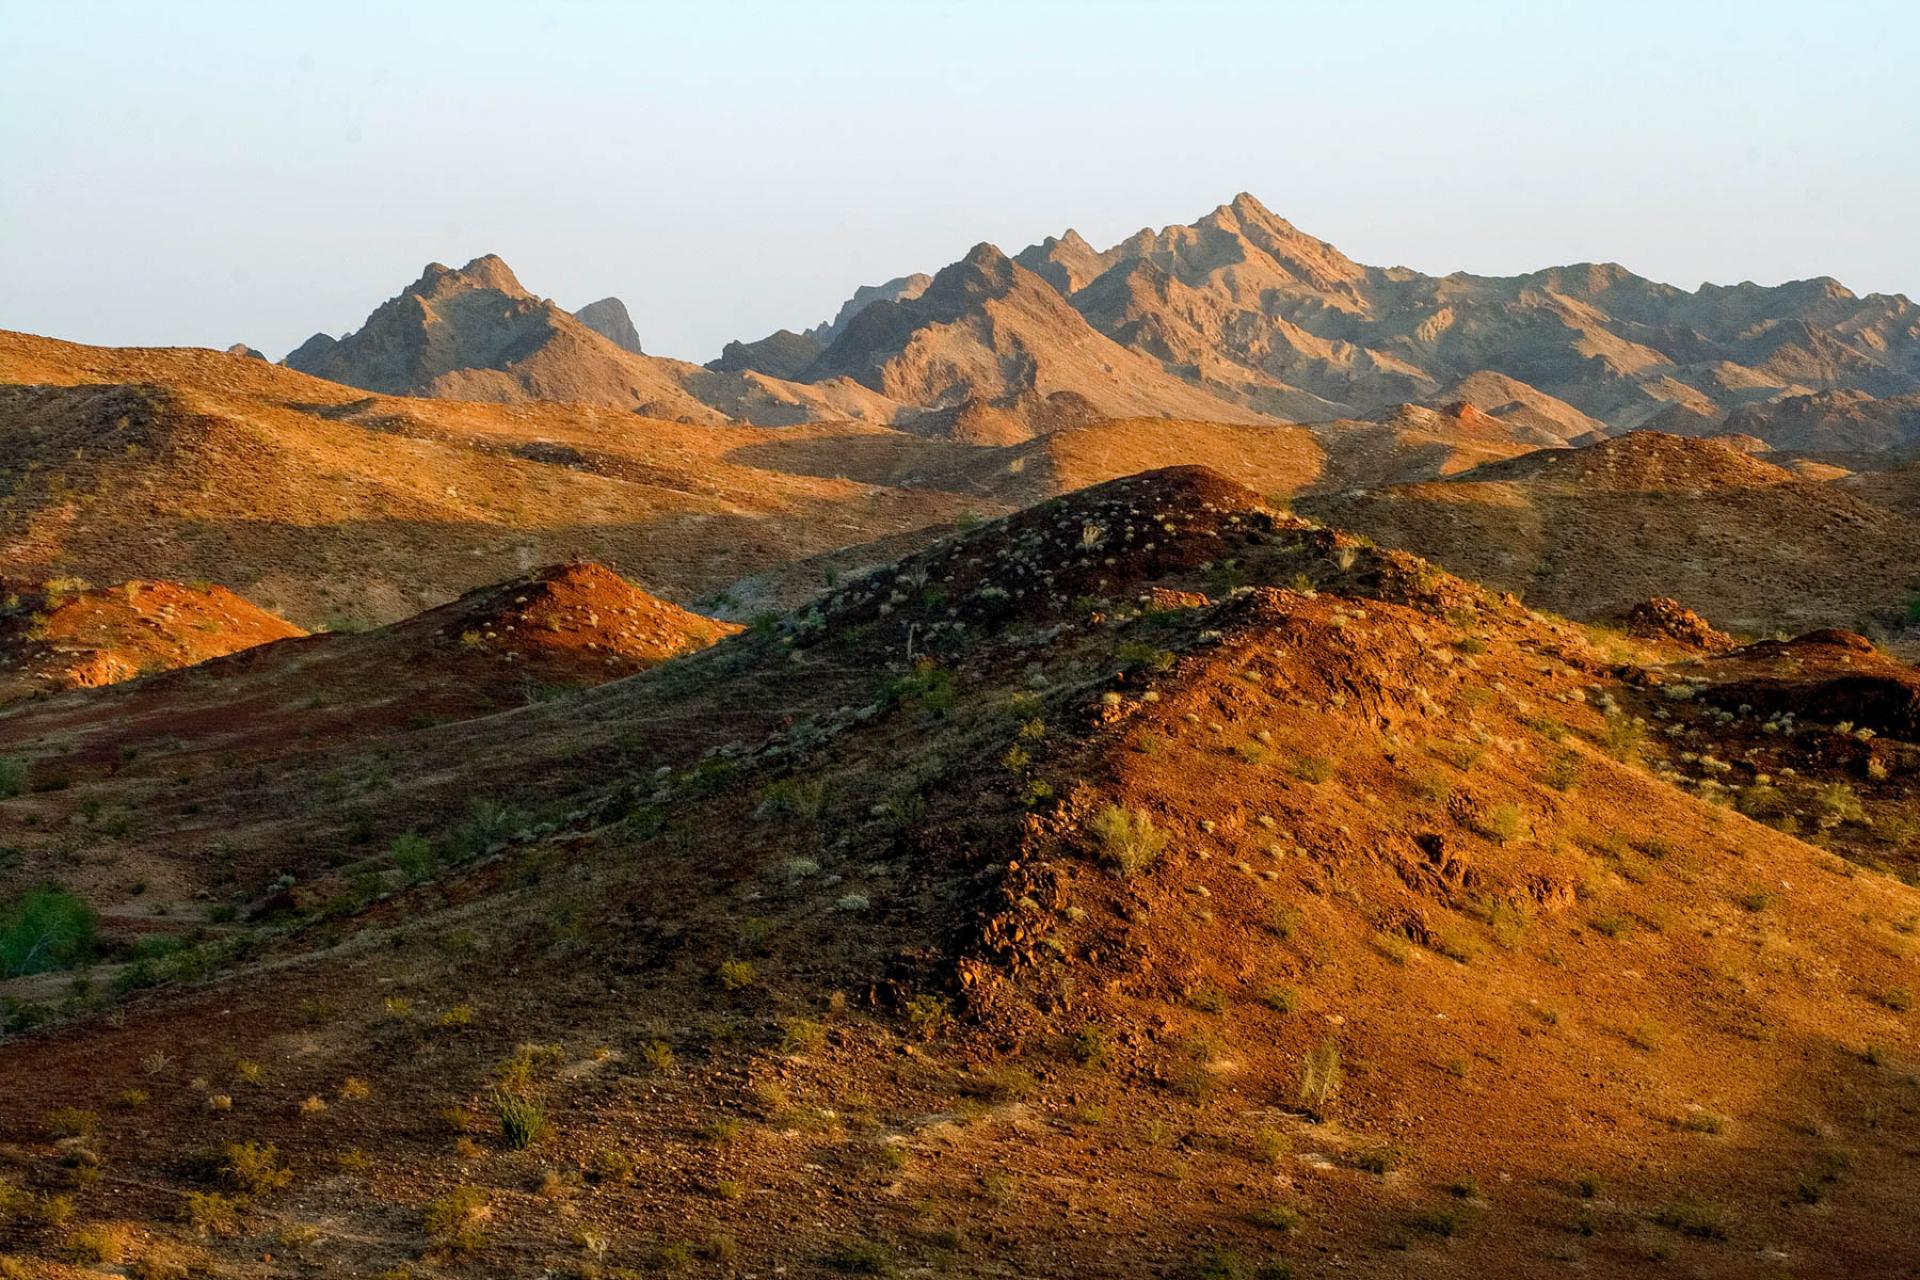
{"points": [[1198, 757]]}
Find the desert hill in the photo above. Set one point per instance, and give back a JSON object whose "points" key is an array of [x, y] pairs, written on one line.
{"points": [[1146, 838], [1832, 421], [325, 504], [504, 645], [1592, 530], [1411, 443], [66, 635]]}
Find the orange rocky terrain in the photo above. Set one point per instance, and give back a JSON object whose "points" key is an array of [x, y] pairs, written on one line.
{"points": [[1146, 883], [523, 641], [66, 635]]}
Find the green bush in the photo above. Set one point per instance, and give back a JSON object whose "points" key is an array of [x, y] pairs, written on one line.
{"points": [[522, 1122], [414, 856], [1127, 841], [45, 929]]}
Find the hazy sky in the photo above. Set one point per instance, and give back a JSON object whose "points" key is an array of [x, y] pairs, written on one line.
{"points": [[174, 172]]}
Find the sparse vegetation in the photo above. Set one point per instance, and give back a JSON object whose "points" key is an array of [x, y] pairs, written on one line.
{"points": [[44, 929], [1127, 840], [1320, 1077]]}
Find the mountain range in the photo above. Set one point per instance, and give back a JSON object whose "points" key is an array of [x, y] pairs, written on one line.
{"points": [[1237, 317]]}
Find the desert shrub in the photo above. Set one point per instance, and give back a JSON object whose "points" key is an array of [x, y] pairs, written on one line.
{"points": [[1313, 769], [1610, 924], [522, 1121], [862, 1258], [210, 1213], [1694, 1218], [609, 1166], [1320, 1076], [527, 1063], [453, 1221], [248, 1167], [488, 823], [1839, 804], [45, 929], [720, 1130], [1090, 1046], [94, 1246], [1502, 824], [929, 689], [1277, 1217], [1127, 840], [735, 975], [1898, 999], [659, 1056], [1378, 1159], [1444, 1222], [71, 1122], [13, 779], [928, 1014], [802, 1035], [414, 856], [1283, 999], [1564, 771], [1623, 737]]}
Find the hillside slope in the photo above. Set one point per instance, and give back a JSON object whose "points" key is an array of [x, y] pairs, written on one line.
{"points": [[1591, 531], [1146, 884], [328, 505]]}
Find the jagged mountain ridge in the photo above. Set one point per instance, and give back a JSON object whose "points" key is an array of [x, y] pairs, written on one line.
{"points": [[474, 333], [1248, 308]]}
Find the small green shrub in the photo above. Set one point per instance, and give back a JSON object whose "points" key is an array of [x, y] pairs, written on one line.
{"points": [[45, 929], [453, 1221], [1127, 840], [863, 1258], [414, 856], [1314, 769], [251, 1168], [735, 975], [522, 1121]]}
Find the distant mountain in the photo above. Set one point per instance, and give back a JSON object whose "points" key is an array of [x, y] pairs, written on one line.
{"points": [[991, 336], [1243, 302], [608, 318], [476, 334], [1252, 311]]}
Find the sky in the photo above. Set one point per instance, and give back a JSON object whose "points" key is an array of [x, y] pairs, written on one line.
{"points": [[188, 173]]}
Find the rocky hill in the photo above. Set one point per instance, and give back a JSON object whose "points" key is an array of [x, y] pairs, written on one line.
{"points": [[65, 634], [1591, 531], [1148, 883]]}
